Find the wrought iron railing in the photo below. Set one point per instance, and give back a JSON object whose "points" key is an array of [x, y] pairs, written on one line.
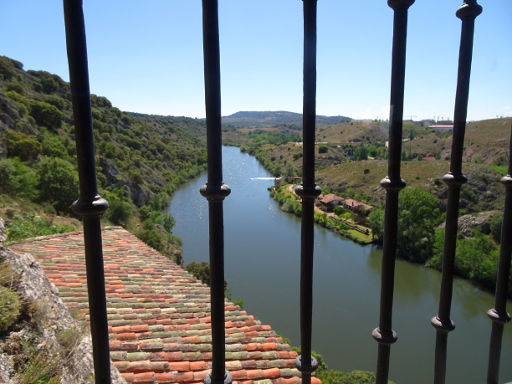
{"points": [[90, 205]]}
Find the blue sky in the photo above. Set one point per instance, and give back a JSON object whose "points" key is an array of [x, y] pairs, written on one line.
{"points": [[146, 56]]}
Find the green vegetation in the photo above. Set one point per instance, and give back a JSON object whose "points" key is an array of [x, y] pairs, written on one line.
{"points": [[58, 183], [22, 226], [9, 308], [33, 364], [10, 304], [333, 376], [141, 160], [418, 218], [201, 271], [476, 258], [421, 240], [290, 202], [351, 160]]}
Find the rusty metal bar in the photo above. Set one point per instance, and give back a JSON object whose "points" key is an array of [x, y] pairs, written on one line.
{"points": [[498, 314], [214, 190], [308, 191], [89, 204], [454, 180], [393, 183]]}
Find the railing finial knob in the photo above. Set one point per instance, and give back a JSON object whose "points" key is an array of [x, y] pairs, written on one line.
{"points": [[400, 4], [469, 10]]}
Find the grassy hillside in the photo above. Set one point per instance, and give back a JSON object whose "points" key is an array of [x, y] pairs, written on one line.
{"points": [[141, 159], [351, 158], [263, 119]]}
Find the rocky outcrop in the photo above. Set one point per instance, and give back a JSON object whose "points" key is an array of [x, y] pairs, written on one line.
{"points": [[469, 222]]}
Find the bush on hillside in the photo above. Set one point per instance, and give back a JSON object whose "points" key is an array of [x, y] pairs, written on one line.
{"points": [[6, 68], [58, 183], [17, 179], [496, 221], [26, 147], [10, 306], [418, 217], [53, 146], [46, 115], [28, 225], [120, 209]]}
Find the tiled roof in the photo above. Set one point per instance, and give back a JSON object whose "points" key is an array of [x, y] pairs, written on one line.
{"points": [[329, 198], [159, 320]]}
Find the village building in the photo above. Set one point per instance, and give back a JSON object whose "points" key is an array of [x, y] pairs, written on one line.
{"points": [[329, 201], [356, 206]]}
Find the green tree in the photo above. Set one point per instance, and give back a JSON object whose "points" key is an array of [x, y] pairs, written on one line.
{"points": [[16, 178], [201, 271], [376, 223], [54, 147], [496, 227], [24, 146], [46, 115], [418, 217], [6, 68], [58, 182], [120, 209], [361, 153]]}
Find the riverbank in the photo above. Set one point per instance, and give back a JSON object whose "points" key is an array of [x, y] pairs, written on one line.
{"points": [[290, 202], [262, 265]]}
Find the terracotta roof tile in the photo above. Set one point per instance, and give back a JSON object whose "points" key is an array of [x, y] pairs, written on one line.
{"points": [[159, 319]]}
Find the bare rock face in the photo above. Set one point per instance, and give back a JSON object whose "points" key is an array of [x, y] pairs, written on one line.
{"points": [[468, 222], [51, 318], [6, 368], [2, 232]]}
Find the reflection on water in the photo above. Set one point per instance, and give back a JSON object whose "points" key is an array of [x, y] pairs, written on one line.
{"points": [[262, 267]]}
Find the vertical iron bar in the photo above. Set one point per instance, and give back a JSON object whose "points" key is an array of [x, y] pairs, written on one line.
{"points": [[308, 191], [454, 180], [89, 204], [214, 190], [498, 314], [393, 183]]}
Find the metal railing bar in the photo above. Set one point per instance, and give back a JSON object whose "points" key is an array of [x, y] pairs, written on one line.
{"points": [[214, 190], [454, 180], [89, 204], [498, 314], [393, 183], [308, 191]]}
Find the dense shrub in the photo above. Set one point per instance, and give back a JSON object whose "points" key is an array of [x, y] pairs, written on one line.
{"points": [[56, 101], [26, 147], [120, 209], [418, 217], [9, 308], [200, 271], [28, 225], [354, 377], [46, 115], [6, 68], [496, 221], [17, 179], [58, 182], [16, 87], [53, 146]]}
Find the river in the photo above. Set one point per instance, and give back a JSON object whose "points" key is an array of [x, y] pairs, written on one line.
{"points": [[262, 267]]}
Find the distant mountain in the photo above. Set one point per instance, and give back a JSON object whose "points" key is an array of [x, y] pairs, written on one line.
{"points": [[260, 119]]}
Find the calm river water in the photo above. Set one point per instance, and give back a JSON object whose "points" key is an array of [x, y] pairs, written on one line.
{"points": [[262, 267]]}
